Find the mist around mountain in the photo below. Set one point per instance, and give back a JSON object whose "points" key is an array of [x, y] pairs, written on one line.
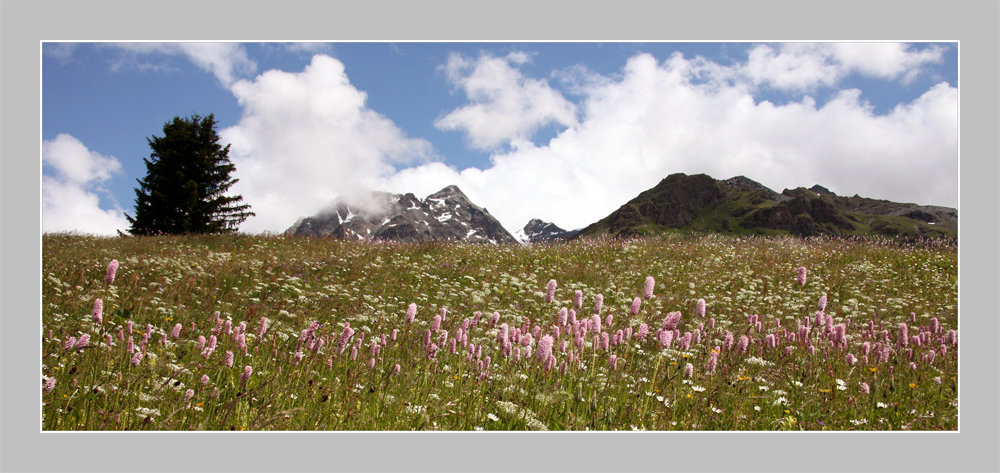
{"points": [[446, 215]]}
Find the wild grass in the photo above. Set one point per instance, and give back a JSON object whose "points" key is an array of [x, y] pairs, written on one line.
{"points": [[313, 292]]}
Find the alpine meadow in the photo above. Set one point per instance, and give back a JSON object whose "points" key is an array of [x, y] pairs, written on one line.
{"points": [[469, 236], [678, 332]]}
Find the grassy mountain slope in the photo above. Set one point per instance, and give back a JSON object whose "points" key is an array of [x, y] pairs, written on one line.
{"points": [[699, 203]]}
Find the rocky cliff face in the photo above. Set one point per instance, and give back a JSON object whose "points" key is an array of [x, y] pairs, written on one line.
{"points": [[538, 231], [446, 215]]}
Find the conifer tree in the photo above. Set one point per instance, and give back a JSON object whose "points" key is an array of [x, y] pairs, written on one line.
{"points": [[187, 176]]}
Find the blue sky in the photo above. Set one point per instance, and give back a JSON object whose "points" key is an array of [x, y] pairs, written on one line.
{"points": [[566, 132]]}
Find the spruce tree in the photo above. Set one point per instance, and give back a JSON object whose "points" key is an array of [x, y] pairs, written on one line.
{"points": [[187, 175]]}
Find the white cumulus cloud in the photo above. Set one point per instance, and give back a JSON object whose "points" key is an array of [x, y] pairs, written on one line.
{"points": [[70, 194], [307, 138], [505, 107], [691, 116]]}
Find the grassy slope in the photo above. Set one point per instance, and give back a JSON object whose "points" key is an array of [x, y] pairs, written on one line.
{"points": [[163, 281]]}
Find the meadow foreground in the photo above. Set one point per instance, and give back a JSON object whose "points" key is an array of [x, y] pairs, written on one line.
{"points": [[238, 332]]}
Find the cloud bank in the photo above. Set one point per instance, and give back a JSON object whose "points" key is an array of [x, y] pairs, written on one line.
{"points": [[695, 116], [306, 138], [70, 197]]}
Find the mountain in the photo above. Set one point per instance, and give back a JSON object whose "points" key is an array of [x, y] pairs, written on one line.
{"points": [[447, 214], [742, 206], [538, 231]]}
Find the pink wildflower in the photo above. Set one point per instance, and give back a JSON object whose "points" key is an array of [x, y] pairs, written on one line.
{"points": [[97, 313], [643, 331], [865, 389], [295, 358], [598, 303], [494, 319], [605, 341], [802, 276], [83, 341], [727, 341], [903, 335], [851, 360], [247, 372], [647, 292], [228, 360], [411, 311], [610, 318], [137, 358], [204, 379], [671, 321], [551, 291], [935, 325], [700, 308], [436, 323], [50, 384], [561, 319], [112, 267], [688, 370], [354, 353], [371, 363], [613, 362], [595, 323], [262, 328], [636, 304], [176, 332], [822, 303], [666, 338], [395, 369], [711, 323], [742, 347], [188, 395]]}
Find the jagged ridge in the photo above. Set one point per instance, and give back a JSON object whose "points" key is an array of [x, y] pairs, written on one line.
{"points": [[444, 215]]}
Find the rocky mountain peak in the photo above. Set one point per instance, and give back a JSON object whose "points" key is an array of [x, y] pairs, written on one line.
{"points": [[537, 230], [447, 214]]}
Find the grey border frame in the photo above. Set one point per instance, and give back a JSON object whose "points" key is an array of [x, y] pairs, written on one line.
{"points": [[972, 23]]}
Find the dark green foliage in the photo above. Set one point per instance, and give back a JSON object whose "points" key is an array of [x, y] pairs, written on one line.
{"points": [[187, 175]]}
